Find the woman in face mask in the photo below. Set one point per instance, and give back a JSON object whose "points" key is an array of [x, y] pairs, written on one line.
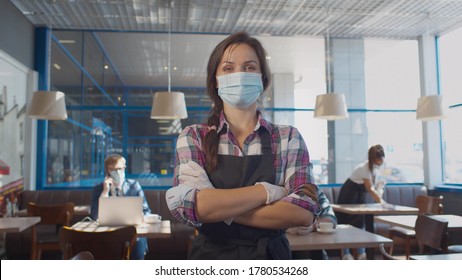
{"points": [[363, 180], [239, 179], [115, 184]]}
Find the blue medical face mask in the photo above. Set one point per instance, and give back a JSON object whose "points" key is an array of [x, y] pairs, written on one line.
{"points": [[118, 176], [241, 89]]}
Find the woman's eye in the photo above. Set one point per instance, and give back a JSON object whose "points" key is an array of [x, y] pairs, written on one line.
{"points": [[250, 68], [227, 69]]}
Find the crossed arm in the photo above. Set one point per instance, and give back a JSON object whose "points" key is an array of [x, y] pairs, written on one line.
{"points": [[194, 200]]}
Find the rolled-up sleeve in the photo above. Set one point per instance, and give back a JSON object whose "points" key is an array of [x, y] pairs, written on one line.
{"points": [[326, 208], [298, 172], [180, 201], [181, 198]]}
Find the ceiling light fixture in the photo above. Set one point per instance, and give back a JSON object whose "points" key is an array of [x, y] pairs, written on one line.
{"points": [[67, 41], [430, 108], [46, 104], [169, 104], [330, 106]]}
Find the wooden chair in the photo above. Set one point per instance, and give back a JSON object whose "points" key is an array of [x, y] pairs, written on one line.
{"points": [[45, 234], [84, 255], [431, 233], [103, 245], [426, 205], [385, 254], [429, 204]]}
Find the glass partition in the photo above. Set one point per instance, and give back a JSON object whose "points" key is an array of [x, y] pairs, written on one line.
{"points": [[451, 89], [107, 116]]}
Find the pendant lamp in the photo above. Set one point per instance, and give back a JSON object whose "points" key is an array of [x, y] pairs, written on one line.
{"points": [[48, 105], [169, 104], [330, 106], [430, 108]]}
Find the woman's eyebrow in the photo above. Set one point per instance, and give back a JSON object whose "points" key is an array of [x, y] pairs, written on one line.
{"points": [[245, 62]]}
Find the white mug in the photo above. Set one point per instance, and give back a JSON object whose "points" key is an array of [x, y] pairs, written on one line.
{"points": [[152, 218], [325, 226]]}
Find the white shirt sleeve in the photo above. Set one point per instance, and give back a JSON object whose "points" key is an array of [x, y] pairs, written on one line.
{"points": [[360, 173]]}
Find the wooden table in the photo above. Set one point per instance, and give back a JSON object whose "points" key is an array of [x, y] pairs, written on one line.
{"points": [[81, 210], [408, 221], [156, 230], [17, 224], [344, 236], [371, 209], [374, 209], [457, 256]]}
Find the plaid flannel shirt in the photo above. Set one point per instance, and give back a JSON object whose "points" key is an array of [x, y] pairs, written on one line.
{"points": [[291, 161]]}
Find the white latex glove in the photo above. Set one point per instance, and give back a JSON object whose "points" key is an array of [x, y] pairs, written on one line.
{"points": [[192, 174], [175, 196], [274, 192], [379, 187], [300, 230], [386, 205]]}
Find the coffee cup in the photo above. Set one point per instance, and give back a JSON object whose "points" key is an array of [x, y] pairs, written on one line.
{"points": [[152, 218], [325, 226]]}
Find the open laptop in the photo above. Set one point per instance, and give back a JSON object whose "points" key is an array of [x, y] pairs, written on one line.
{"points": [[120, 211]]}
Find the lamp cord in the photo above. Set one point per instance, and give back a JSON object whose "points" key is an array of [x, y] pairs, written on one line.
{"points": [[50, 43], [328, 60], [169, 45]]}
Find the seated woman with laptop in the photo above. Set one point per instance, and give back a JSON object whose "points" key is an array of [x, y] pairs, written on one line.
{"points": [[115, 184]]}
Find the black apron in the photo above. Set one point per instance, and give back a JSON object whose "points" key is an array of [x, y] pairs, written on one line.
{"points": [[239, 242], [351, 193]]}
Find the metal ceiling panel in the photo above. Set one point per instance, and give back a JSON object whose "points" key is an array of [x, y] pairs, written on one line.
{"points": [[133, 33], [400, 19]]}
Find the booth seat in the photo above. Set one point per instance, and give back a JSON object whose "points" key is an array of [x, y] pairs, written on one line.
{"points": [[17, 245]]}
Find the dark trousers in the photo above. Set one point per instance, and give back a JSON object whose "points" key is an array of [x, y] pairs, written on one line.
{"points": [[139, 249], [351, 193]]}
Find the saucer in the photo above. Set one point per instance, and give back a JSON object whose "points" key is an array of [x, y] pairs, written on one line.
{"points": [[325, 231], [152, 219]]}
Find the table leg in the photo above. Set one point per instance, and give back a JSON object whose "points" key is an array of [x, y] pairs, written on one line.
{"points": [[370, 252], [370, 223]]}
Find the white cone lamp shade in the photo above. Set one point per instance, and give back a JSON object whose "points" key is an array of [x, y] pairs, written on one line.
{"points": [[331, 106], [169, 105], [48, 105], [430, 108]]}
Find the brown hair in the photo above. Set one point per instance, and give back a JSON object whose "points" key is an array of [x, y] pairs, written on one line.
{"points": [[111, 160], [211, 139], [375, 152]]}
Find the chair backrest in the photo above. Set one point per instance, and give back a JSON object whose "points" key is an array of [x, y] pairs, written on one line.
{"points": [[429, 204], [58, 214], [431, 232], [385, 254], [103, 245], [84, 255]]}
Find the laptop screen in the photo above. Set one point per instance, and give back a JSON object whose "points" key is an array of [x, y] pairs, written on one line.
{"points": [[120, 211]]}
